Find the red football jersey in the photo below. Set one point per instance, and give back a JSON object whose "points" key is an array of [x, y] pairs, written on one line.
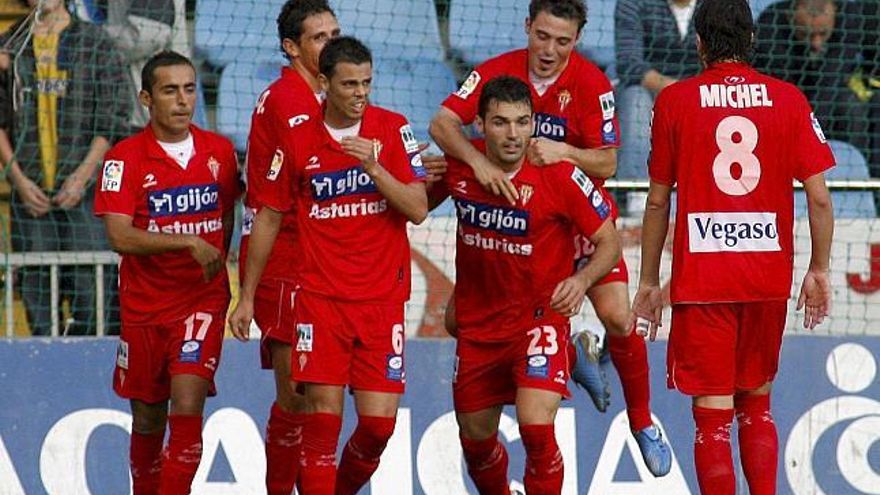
{"points": [[140, 180], [287, 102], [733, 140], [352, 244], [509, 259]]}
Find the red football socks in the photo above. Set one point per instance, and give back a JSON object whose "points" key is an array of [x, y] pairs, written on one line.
{"points": [[712, 455], [487, 465], [758, 443], [360, 458], [630, 357], [544, 468], [145, 455], [283, 450], [182, 457], [317, 473]]}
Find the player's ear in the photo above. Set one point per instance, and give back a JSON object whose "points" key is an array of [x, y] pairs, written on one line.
{"points": [[145, 98], [478, 123], [290, 48], [324, 82], [528, 25]]}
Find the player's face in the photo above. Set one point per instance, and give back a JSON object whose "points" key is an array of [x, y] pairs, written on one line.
{"points": [[507, 128], [348, 92], [317, 30], [815, 27], [172, 99], [551, 40]]}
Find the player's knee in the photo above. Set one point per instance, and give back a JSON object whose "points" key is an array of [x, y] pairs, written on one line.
{"points": [[373, 434], [762, 390], [149, 419], [616, 323], [475, 428]]}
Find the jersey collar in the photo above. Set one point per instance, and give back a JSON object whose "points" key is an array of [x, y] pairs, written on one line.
{"points": [[154, 150]]}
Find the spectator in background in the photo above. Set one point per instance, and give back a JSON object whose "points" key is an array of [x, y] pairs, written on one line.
{"points": [[824, 48], [69, 88], [140, 29], [655, 42]]}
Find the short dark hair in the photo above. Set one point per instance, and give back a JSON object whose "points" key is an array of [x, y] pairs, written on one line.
{"points": [[340, 50], [506, 89], [293, 13], [164, 58], [574, 10], [725, 28]]}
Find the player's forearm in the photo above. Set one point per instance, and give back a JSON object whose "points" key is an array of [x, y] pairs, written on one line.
{"points": [[654, 81], [267, 223], [446, 130], [228, 226], [605, 257], [821, 216], [598, 163], [409, 199], [655, 225], [89, 164], [132, 240]]}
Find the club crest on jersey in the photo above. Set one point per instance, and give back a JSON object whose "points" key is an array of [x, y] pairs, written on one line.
{"points": [[550, 126], [469, 85], [275, 167], [606, 101], [214, 167], [564, 99], [112, 176], [525, 193], [817, 128]]}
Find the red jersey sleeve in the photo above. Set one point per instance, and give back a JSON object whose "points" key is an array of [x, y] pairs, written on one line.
{"points": [[661, 164], [401, 153], [117, 187], [230, 185], [464, 101], [277, 190], [599, 124], [581, 201], [813, 153]]}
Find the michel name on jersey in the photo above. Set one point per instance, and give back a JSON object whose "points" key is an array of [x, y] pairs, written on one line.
{"points": [[339, 184]]}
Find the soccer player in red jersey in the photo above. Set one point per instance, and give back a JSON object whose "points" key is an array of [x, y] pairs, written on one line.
{"points": [[574, 121], [732, 140], [166, 197], [515, 290], [354, 179], [304, 27]]}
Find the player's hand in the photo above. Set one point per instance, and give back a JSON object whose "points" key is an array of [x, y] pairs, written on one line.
{"points": [[493, 179], [35, 201], [435, 165], [240, 319], [365, 150], [543, 151], [209, 257], [815, 298], [71, 193], [647, 311], [568, 296]]}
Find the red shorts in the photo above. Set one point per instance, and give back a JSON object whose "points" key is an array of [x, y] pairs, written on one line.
{"points": [[349, 343], [488, 374], [617, 274], [149, 355], [719, 349], [273, 314]]}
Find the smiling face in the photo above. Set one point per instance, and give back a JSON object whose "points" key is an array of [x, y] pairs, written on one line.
{"points": [[171, 101], [348, 92], [507, 127], [551, 41]]}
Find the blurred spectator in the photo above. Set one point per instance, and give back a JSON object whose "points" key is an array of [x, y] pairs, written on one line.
{"points": [[140, 29], [64, 103], [655, 47], [829, 50]]}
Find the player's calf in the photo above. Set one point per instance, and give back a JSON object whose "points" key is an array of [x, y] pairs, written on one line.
{"points": [[360, 458]]}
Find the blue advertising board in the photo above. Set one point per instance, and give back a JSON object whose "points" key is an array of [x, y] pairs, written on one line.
{"points": [[63, 431]]}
